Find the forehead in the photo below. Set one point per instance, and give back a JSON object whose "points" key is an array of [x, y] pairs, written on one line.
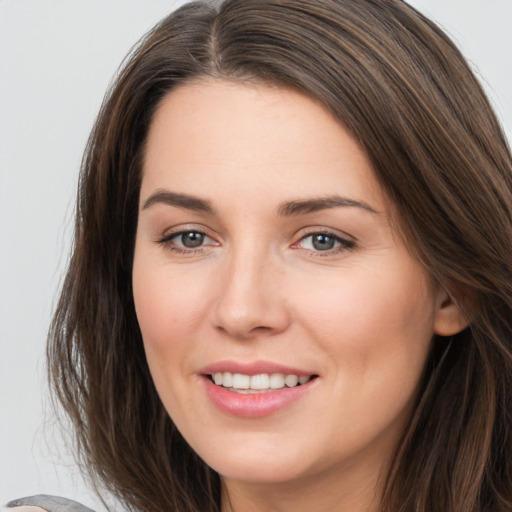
{"points": [[258, 137]]}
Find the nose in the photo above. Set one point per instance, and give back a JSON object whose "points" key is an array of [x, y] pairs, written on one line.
{"points": [[250, 302]]}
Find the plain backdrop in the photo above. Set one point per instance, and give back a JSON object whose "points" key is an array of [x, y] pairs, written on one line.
{"points": [[56, 60]]}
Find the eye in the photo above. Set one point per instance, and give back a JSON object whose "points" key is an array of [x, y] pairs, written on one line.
{"points": [[320, 242], [190, 239], [185, 241], [324, 242]]}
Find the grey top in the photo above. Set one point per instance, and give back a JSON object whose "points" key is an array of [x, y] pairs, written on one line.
{"points": [[50, 503]]}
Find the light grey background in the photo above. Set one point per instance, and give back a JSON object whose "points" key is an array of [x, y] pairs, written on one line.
{"points": [[56, 60]]}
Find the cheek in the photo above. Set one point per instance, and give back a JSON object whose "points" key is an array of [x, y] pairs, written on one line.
{"points": [[168, 304], [368, 306], [168, 307], [376, 332], [371, 323]]}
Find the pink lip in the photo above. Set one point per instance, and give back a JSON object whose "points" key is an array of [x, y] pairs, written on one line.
{"points": [[254, 405], [252, 368]]}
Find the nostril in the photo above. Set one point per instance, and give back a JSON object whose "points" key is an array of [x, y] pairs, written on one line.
{"points": [[241, 332]]}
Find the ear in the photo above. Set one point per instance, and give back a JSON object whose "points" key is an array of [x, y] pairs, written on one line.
{"points": [[449, 319]]}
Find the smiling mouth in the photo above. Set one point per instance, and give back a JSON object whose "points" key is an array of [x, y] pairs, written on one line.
{"points": [[261, 383]]}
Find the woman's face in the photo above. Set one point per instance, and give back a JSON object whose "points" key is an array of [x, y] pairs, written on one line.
{"points": [[265, 255]]}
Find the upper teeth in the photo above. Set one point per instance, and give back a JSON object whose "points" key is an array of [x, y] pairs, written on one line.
{"points": [[263, 381]]}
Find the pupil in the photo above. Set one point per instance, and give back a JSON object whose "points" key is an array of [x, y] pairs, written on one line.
{"points": [[323, 242], [192, 239]]}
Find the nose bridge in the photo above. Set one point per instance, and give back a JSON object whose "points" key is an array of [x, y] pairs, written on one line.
{"points": [[248, 301]]}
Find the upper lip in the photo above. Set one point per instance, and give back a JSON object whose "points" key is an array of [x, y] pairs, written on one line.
{"points": [[252, 368]]}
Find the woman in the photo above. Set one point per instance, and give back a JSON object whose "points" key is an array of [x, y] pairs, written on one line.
{"points": [[291, 281]]}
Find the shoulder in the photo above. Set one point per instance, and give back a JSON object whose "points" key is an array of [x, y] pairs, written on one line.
{"points": [[46, 503]]}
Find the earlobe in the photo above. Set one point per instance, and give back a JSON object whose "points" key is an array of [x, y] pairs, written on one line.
{"points": [[449, 318]]}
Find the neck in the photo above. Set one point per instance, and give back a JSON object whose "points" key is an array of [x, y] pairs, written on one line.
{"points": [[354, 491]]}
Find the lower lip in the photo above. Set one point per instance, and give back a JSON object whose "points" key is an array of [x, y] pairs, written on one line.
{"points": [[254, 405]]}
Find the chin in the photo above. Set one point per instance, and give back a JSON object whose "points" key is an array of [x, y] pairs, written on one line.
{"points": [[260, 471], [253, 456]]}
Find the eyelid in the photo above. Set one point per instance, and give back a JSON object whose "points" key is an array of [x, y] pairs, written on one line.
{"points": [[166, 239], [171, 231], [323, 230], [347, 242]]}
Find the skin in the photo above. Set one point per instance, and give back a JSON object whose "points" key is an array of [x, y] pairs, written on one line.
{"points": [[360, 315], [28, 509]]}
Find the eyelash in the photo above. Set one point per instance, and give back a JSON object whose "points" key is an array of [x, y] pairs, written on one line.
{"points": [[166, 241], [344, 243]]}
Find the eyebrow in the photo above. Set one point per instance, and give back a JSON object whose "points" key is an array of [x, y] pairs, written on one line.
{"points": [[180, 200], [288, 209], [306, 206]]}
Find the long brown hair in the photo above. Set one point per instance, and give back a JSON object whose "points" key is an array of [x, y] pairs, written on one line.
{"points": [[404, 91]]}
